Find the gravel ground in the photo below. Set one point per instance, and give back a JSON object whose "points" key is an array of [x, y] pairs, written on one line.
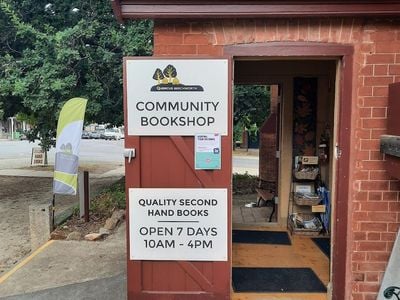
{"points": [[16, 194]]}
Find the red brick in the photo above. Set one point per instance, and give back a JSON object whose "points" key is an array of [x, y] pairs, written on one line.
{"points": [[376, 101], [383, 36], [369, 287], [270, 28], [376, 133], [394, 206], [370, 144], [380, 58], [377, 80], [313, 30], [365, 112], [324, 30], [380, 70], [377, 156], [372, 277], [219, 32], [361, 175], [362, 155], [365, 91], [168, 39], [370, 296], [357, 296], [358, 276], [379, 175], [390, 196], [388, 236], [382, 216], [393, 227], [394, 69], [379, 112], [394, 185], [375, 206], [229, 31], [372, 226], [387, 47], [209, 50], [367, 48], [374, 123], [378, 256], [282, 29], [303, 29], [261, 33], [374, 196], [361, 196], [360, 216], [373, 165], [181, 49], [372, 266], [358, 256], [380, 91], [360, 236], [373, 236], [196, 39], [293, 32], [375, 185]]}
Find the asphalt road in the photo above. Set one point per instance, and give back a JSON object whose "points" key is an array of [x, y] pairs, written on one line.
{"points": [[18, 154]]}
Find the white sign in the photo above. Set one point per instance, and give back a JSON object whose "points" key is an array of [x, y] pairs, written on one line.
{"points": [[177, 96], [37, 157], [178, 224]]}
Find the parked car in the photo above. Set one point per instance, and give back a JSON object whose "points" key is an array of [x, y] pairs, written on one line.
{"points": [[85, 135], [95, 134], [112, 134]]}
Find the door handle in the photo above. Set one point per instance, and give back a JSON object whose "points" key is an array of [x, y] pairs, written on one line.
{"points": [[129, 154]]}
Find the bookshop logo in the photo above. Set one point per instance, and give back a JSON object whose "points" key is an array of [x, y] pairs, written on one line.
{"points": [[167, 81]]}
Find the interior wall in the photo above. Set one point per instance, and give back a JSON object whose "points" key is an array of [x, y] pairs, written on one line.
{"points": [[282, 73]]}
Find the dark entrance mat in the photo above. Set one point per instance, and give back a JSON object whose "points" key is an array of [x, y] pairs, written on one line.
{"points": [[324, 244], [281, 280], [260, 237]]}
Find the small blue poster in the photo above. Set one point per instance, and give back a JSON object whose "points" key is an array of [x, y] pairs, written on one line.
{"points": [[207, 151]]}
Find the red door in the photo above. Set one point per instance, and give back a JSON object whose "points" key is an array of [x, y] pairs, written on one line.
{"points": [[168, 162]]}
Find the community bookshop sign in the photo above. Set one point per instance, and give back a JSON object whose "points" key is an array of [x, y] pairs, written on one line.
{"points": [[177, 96], [178, 224]]}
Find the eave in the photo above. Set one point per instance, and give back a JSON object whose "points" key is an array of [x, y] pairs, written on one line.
{"points": [[189, 9]]}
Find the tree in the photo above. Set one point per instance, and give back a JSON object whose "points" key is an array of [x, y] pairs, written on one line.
{"points": [[51, 52], [170, 73], [158, 75], [251, 108]]}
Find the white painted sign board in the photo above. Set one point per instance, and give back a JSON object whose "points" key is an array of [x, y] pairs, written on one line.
{"points": [[176, 96], [391, 279], [178, 224]]}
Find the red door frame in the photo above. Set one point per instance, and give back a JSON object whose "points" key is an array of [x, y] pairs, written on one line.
{"points": [[345, 54]]}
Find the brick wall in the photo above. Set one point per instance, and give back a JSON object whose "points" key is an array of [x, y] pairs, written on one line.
{"points": [[375, 207]]}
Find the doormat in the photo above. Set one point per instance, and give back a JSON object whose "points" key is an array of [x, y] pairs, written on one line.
{"points": [[324, 244], [260, 237], [276, 280]]}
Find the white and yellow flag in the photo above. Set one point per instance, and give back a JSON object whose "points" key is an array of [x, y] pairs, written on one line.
{"points": [[69, 131]]}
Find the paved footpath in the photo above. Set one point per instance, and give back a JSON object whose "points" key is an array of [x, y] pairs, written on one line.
{"points": [[70, 270]]}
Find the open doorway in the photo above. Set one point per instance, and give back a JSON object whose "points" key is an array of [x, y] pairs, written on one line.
{"points": [[305, 125]]}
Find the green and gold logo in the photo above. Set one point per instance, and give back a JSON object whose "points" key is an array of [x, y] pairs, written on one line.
{"points": [[167, 81]]}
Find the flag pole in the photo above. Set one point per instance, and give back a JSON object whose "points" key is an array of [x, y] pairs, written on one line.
{"points": [[53, 210]]}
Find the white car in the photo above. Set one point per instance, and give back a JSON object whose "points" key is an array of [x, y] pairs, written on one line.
{"points": [[112, 134]]}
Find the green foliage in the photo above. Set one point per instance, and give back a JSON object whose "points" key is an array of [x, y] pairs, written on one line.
{"points": [[49, 54], [251, 108], [110, 199], [244, 183]]}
